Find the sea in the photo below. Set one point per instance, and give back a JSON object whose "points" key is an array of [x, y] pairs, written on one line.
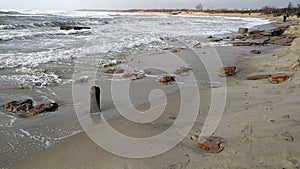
{"points": [[31, 39]]}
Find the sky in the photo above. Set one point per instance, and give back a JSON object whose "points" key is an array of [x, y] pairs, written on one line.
{"points": [[137, 4]]}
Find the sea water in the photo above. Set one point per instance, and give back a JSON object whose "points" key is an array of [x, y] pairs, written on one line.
{"points": [[29, 38]]}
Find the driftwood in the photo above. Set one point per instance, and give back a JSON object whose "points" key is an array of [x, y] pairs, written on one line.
{"points": [[257, 77], [95, 100]]}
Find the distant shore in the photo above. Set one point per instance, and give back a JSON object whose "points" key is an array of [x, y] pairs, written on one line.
{"points": [[229, 13]]}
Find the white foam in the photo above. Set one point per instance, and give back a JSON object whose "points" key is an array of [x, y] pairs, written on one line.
{"points": [[73, 133], [12, 121], [32, 77], [12, 60], [25, 132]]}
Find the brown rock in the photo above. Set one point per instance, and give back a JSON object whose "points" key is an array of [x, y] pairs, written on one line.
{"points": [[242, 30], [217, 40], [255, 52], [167, 79], [114, 71], [278, 78], [255, 32], [257, 42], [174, 50], [211, 144], [280, 40], [227, 71], [182, 69], [278, 31]]}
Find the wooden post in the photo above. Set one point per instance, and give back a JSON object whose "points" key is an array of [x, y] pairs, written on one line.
{"points": [[95, 100]]}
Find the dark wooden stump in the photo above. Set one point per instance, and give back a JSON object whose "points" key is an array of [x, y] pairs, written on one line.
{"points": [[95, 100]]}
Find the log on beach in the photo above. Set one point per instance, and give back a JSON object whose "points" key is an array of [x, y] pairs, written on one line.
{"points": [[258, 77]]}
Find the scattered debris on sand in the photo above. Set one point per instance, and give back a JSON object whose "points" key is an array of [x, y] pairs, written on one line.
{"points": [[255, 52], [227, 71], [167, 79], [278, 36], [182, 69], [211, 144], [278, 78], [109, 62], [25, 108], [258, 77], [114, 71], [134, 75], [174, 50]]}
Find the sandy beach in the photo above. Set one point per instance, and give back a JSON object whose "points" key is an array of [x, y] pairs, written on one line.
{"points": [[260, 123]]}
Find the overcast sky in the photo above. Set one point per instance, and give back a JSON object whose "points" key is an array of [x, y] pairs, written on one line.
{"points": [[135, 4]]}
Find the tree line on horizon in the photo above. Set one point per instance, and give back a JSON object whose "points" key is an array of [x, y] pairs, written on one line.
{"points": [[291, 9]]}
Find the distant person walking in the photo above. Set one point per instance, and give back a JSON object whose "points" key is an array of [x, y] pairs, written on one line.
{"points": [[284, 17]]}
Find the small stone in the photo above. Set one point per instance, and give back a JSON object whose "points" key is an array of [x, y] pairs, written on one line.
{"points": [[194, 137], [198, 45], [24, 87], [172, 117], [286, 116], [182, 69], [174, 50], [114, 71], [255, 52], [286, 136], [227, 71]]}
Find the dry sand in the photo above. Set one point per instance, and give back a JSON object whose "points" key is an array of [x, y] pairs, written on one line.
{"points": [[260, 124]]}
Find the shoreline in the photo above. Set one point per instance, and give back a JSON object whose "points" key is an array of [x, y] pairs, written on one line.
{"points": [[62, 150], [245, 134]]}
